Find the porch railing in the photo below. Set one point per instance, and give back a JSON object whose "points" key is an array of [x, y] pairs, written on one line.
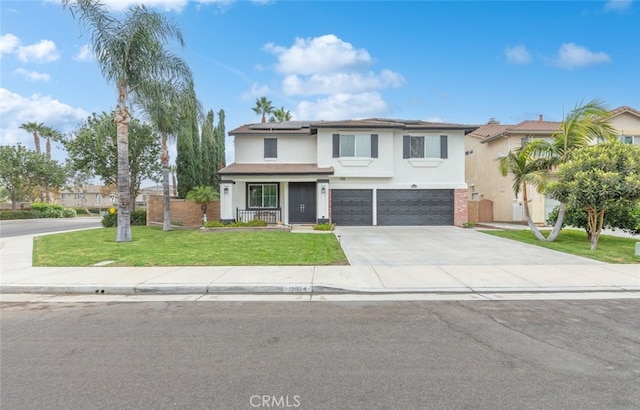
{"points": [[271, 216]]}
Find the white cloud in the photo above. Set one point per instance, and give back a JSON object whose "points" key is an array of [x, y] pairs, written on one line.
{"points": [[32, 75], [16, 109], [324, 54], [618, 5], [164, 5], [84, 54], [572, 56], [518, 55], [42, 52], [342, 106], [255, 92], [336, 83], [8, 43]]}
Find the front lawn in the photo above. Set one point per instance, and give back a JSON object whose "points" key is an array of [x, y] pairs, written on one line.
{"points": [[153, 247], [611, 249]]}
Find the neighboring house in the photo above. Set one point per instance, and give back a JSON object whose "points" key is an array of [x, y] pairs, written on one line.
{"points": [[485, 145], [86, 196], [356, 172]]}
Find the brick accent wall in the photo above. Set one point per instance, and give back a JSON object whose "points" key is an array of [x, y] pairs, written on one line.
{"points": [[461, 212], [183, 212]]}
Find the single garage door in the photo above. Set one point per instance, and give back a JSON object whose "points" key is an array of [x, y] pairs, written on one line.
{"points": [[351, 207], [415, 207]]}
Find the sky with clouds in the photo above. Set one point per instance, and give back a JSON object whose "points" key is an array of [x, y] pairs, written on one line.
{"points": [[457, 61]]}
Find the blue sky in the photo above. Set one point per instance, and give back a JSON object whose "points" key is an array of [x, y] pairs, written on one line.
{"points": [[456, 61]]}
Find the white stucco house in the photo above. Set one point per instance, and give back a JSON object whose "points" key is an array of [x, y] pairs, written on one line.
{"points": [[355, 172]]}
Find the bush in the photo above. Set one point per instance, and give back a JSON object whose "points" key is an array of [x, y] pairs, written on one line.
{"points": [[69, 213], [238, 224], [624, 216], [469, 225], [138, 218], [324, 227], [12, 215]]}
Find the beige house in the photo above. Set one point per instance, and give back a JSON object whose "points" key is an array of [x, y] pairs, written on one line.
{"points": [[491, 141], [86, 196]]}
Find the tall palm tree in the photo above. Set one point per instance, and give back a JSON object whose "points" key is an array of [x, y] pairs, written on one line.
{"points": [[280, 114], [172, 171], [163, 109], [263, 107], [34, 128], [526, 171], [583, 126], [131, 54], [50, 134]]}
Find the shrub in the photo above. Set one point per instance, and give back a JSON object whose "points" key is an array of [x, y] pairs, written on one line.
{"points": [[624, 216], [469, 224], [12, 215], [69, 213], [256, 222], [324, 227], [138, 218], [237, 224]]}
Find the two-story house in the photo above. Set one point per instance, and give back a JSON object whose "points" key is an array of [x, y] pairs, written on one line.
{"points": [[491, 141], [355, 172]]}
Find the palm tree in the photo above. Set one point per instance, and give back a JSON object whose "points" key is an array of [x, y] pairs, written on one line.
{"points": [[172, 171], [163, 109], [201, 195], [50, 134], [263, 107], [584, 125], [34, 128], [131, 54], [526, 171], [279, 115]]}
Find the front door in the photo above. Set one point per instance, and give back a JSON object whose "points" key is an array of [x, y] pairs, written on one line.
{"points": [[302, 202]]}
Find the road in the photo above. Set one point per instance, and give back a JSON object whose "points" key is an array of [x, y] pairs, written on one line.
{"points": [[418, 355], [46, 225]]}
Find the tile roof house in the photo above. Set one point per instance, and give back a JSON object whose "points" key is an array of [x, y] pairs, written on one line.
{"points": [[354, 172], [485, 145]]}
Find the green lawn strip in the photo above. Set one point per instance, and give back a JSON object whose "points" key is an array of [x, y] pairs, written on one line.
{"points": [[153, 247], [611, 249]]}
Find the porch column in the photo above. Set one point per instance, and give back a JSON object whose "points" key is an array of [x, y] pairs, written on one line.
{"points": [[322, 201], [227, 210]]}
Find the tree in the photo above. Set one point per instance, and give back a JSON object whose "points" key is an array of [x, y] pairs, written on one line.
{"points": [[92, 148], [580, 128], [279, 115], [34, 128], [597, 179], [201, 195], [526, 170], [164, 110], [188, 165], [21, 170], [132, 55], [174, 181], [209, 151], [263, 107], [220, 135]]}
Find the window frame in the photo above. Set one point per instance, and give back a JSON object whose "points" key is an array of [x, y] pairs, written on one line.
{"points": [[371, 143], [263, 184], [428, 146], [270, 148]]}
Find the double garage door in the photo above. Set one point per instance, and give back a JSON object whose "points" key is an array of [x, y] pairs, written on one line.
{"points": [[394, 207]]}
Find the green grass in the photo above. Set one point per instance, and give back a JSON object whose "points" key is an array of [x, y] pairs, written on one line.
{"points": [[153, 247], [611, 249]]}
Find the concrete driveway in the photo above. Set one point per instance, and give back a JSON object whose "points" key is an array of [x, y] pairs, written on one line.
{"points": [[442, 245]]}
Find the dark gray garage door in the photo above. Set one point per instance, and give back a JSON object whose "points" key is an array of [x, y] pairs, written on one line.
{"points": [[351, 207], [415, 207]]}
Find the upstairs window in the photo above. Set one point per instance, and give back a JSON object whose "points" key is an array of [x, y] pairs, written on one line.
{"points": [[425, 146], [355, 145], [263, 195], [271, 148]]}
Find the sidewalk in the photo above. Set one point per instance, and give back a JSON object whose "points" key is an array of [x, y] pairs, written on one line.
{"points": [[19, 276]]}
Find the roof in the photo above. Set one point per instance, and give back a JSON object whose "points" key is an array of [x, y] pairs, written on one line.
{"points": [[310, 127], [275, 169], [493, 130], [624, 109]]}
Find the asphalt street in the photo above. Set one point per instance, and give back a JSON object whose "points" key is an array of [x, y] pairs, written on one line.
{"points": [[410, 355], [47, 225]]}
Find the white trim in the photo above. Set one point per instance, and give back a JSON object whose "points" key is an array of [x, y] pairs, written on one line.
{"points": [[425, 162], [355, 162]]}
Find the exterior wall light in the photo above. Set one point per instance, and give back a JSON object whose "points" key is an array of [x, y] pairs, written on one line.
{"points": [[226, 190], [323, 190], [414, 186]]}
